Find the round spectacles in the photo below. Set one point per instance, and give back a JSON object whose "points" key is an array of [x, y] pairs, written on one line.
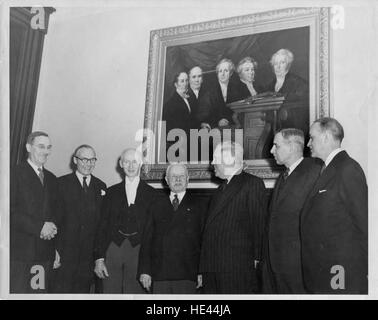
{"points": [[86, 160]]}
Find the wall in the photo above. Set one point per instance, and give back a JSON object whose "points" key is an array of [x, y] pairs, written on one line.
{"points": [[93, 75]]}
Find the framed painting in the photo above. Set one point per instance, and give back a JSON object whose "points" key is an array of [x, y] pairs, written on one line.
{"points": [[302, 33]]}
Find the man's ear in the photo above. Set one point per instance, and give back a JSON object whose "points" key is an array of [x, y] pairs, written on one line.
{"points": [[28, 147], [166, 180], [120, 163], [74, 160], [326, 136]]}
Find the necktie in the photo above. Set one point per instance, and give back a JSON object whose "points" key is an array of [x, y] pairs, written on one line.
{"points": [[41, 175], [286, 174], [175, 202], [223, 185], [85, 186]]}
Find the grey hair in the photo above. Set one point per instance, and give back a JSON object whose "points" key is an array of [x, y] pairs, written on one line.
{"points": [[236, 150], [230, 63], [333, 126], [283, 52], [83, 146], [137, 153], [35, 134], [174, 164], [245, 60], [293, 135]]}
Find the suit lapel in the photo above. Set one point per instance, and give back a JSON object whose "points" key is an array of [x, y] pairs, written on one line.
{"points": [[327, 175], [290, 182], [274, 200], [232, 188]]}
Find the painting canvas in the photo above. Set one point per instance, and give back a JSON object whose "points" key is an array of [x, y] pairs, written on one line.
{"points": [[301, 31]]}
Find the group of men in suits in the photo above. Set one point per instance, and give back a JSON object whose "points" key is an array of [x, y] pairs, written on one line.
{"points": [[312, 238], [316, 238]]}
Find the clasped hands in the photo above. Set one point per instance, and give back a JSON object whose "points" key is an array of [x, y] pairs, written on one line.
{"points": [[49, 231]]}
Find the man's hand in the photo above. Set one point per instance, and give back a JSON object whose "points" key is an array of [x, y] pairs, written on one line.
{"points": [[49, 230], [100, 269], [145, 280], [199, 281], [57, 263], [223, 122]]}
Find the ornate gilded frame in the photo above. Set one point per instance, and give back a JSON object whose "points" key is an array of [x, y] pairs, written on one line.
{"points": [[318, 20]]}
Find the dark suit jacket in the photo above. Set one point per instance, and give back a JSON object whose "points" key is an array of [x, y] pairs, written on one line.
{"points": [[282, 246], [177, 115], [194, 104], [212, 107], [334, 228], [172, 240], [79, 215], [243, 91], [232, 237], [31, 205], [294, 88], [114, 204]]}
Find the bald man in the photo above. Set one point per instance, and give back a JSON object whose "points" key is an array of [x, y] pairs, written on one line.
{"points": [[124, 213], [171, 244]]}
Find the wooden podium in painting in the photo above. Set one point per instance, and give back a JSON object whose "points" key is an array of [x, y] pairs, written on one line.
{"points": [[259, 119]]}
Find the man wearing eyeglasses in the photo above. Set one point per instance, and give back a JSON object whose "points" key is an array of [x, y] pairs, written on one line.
{"points": [[33, 224], [124, 212], [79, 211], [170, 250]]}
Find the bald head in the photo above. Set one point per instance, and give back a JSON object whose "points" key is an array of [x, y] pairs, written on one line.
{"points": [[131, 161]]}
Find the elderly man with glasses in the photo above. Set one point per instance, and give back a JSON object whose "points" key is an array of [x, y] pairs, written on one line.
{"points": [[79, 211]]}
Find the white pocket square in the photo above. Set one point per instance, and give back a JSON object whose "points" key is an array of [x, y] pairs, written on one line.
{"points": [[103, 192], [321, 191]]}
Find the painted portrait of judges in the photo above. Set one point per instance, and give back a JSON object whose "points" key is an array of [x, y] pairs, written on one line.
{"points": [[227, 70]]}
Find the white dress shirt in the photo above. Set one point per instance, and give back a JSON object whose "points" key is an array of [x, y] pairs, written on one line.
{"points": [[131, 189], [294, 165], [250, 87], [180, 196], [35, 167], [196, 92], [331, 156], [279, 83], [223, 87], [81, 176]]}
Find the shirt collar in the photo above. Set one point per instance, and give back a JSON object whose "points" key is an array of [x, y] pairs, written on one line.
{"points": [[180, 195], [81, 176], [331, 156], [134, 182], [294, 165], [34, 166], [234, 174]]}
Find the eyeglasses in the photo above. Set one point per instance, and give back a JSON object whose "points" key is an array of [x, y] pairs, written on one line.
{"points": [[86, 160]]}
